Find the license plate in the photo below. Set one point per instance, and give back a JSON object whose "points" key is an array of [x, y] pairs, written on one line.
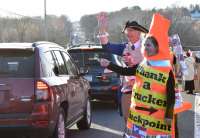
{"points": [[88, 77]]}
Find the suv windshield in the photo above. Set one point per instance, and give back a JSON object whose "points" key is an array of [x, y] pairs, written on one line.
{"points": [[88, 57], [16, 63]]}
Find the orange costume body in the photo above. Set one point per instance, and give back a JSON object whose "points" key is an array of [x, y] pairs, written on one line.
{"points": [[150, 107], [149, 97]]}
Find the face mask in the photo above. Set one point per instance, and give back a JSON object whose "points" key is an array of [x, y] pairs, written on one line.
{"points": [[151, 46]]}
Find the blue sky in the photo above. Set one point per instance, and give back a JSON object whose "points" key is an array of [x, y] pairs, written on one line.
{"points": [[74, 9]]}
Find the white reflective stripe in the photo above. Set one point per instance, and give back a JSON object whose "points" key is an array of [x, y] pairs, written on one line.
{"points": [[160, 63]]}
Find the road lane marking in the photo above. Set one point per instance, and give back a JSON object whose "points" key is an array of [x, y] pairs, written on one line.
{"points": [[107, 129]]}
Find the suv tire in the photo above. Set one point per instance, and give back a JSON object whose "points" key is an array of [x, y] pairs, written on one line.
{"points": [[85, 122], [60, 130]]}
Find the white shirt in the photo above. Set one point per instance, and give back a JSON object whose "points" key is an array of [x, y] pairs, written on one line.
{"points": [[136, 53], [190, 63], [137, 44], [137, 56]]}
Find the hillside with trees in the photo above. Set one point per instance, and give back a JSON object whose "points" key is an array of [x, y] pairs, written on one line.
{"points": [[180, 17]]}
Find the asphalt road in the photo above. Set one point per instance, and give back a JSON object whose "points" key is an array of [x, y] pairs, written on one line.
{"points": [[106, 123]]}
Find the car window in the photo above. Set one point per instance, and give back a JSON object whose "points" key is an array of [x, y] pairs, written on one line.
{"points": [[17, 63], [89, 58], [74, 69], [48, 64], [70, 66], [61, 64]]}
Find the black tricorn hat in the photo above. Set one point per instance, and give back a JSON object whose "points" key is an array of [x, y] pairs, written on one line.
{"points": [[134, 25]]}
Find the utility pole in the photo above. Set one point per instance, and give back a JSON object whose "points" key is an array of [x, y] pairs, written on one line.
{"points": [[45, 21]]}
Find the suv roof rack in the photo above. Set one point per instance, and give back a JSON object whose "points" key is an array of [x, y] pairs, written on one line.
{"points": [[42, 42], [85, 44]]}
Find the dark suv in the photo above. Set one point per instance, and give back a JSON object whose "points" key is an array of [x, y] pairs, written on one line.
{"points": [[104, 83], [41, 91]]}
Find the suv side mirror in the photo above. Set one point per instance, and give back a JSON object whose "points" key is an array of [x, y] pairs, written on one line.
{"points": [[56, 71]]}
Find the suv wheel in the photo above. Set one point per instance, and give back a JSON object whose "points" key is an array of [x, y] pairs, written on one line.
{"points": [[85, 122], [60, 131]]}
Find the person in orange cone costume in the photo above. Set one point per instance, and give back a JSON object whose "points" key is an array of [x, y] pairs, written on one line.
{"points": [[143, 124], [154, 76], [153, 96]]}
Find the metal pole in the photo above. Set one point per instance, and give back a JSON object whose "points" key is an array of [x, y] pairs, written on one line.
{"points": [[45, 21]]}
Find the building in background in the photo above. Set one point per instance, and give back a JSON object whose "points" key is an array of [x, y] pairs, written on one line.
{"points": [[195, 12]]}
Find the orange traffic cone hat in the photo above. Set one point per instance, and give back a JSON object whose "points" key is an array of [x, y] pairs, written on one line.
{"points": [[159, 30]]}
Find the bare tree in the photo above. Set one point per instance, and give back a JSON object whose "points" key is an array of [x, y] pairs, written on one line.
{"points": [[2, 29], [22, 25]]}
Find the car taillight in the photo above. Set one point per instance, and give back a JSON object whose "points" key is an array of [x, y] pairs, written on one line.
{"points": [[103, 77], [42, 91], [115, 88]]}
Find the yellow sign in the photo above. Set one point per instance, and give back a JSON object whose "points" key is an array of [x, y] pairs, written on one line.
{"points": [[152, 75], [149, 122], [150, 98]]}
